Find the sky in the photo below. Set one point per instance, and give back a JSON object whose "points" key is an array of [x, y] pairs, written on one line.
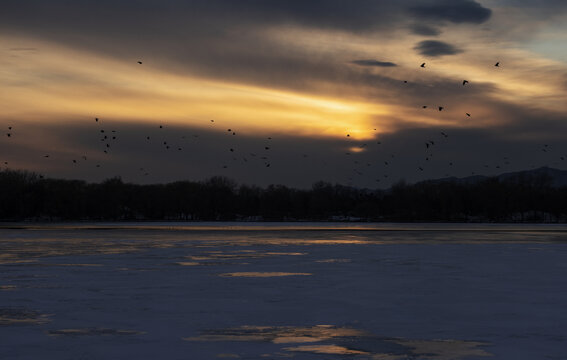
{"points": [[311, 90]]}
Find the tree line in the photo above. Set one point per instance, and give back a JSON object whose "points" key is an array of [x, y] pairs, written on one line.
{"points": [[26, 196]]}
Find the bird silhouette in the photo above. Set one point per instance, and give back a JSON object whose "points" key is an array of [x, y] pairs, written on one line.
{"points": [[139, 62], [468, 114], [465, 82], [441, 108], [497, 64], [422, 65]]}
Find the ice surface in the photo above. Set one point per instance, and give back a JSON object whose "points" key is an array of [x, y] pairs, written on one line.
{"points": [[374, 291]]}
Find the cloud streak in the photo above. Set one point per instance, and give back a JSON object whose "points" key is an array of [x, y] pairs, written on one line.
{"points": [[376, 63], [435, 48], [466, 11]]}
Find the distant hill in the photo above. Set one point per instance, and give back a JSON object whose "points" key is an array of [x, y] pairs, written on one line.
{"points": [[557, 178]]}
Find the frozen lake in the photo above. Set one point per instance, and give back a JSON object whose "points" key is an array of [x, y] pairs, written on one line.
{"points": [[280, 291]]}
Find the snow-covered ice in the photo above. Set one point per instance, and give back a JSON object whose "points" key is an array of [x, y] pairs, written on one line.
{"points": [[278, 291]]}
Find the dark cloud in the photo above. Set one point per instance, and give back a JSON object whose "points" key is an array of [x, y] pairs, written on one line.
{"points": [[373, 63], [336, 14], [223, 39], [435, 48], [465, 11], [426, 30]]}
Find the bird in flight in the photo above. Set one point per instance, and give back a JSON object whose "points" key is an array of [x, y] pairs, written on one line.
{"points": [[139, 62], [465, 82], [422, 65], [441, 108], [497, 64], [468, 114]]}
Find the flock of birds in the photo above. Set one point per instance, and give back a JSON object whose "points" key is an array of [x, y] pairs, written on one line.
{"points": [[359, 168]]}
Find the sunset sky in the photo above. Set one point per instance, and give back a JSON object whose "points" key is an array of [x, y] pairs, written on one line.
{"points": [[336, 85]]}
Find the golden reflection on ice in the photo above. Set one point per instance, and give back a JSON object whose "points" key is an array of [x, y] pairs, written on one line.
{"points": [[333, 261], [93, 332], [188, 263], [78, 265], [262, 274], [278, 334], [11, 316], [240, 254], [443, 349], [334, 340], [326, 349]]}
